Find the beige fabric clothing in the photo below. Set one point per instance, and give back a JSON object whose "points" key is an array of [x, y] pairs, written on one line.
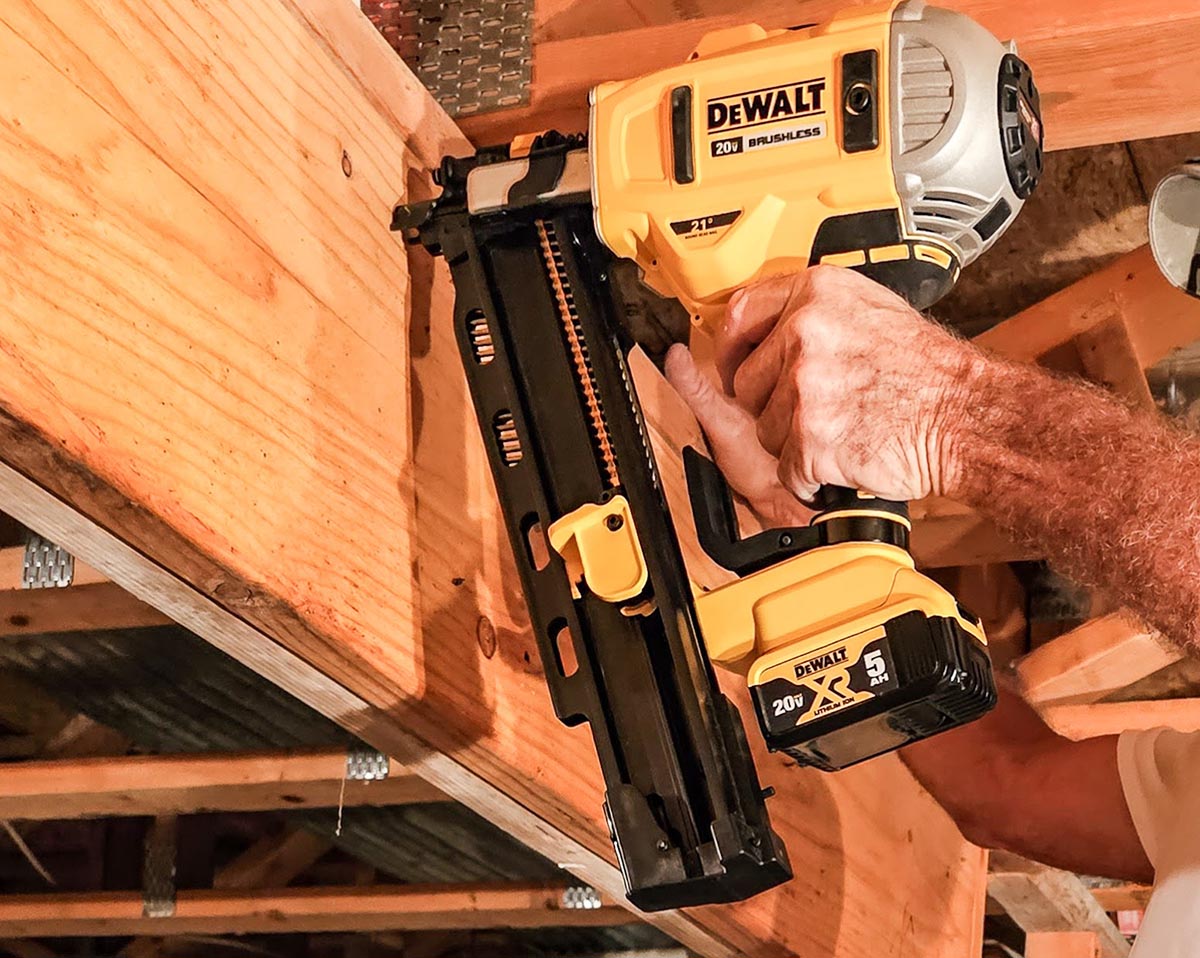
{"points": [[1160, 773]]}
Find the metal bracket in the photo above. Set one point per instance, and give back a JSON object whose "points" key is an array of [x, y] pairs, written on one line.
{"points": [[365, 764], [46, 565], [158, 869], [581, 897], [472, 55]]}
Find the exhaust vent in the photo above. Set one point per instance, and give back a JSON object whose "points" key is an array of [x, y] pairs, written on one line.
{"points": [[926, 93], [951, 216]]}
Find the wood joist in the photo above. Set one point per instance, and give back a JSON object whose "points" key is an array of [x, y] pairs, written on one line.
{"points": [[291, 910], [1086, 66], [187, 784], [1045, 900]]}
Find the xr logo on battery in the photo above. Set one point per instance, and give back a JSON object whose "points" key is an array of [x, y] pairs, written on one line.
{"points": [[826, 688]]}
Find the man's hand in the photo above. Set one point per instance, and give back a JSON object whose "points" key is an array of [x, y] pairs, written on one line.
{"points": [[831, 379]]}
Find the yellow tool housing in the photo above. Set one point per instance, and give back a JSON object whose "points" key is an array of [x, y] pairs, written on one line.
{"points": [[897, 139]]}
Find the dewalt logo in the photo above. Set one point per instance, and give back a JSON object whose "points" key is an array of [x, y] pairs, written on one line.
{"points": [[820, 663], [738, 111]]}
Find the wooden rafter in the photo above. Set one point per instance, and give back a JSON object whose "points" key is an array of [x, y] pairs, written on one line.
{"points": [[274, 861], [372, 908], [1089, 662], [91, 602], [271, 862], [1123, 897], [1079, 721], [1085, 65], [1156, 316], [1062, 944], [1043, 899], [185, 784]]}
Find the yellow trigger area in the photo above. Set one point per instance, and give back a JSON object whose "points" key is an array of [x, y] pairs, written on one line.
{"points": [[600, 546]]}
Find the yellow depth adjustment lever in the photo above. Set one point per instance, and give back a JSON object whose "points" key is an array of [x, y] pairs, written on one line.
{"points": [[848, 650]]}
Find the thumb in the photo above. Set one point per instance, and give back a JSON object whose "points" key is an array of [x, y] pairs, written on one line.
{"points": [[732, 433]]}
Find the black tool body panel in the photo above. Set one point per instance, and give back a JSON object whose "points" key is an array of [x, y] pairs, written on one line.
{"points": [[683, 801]]}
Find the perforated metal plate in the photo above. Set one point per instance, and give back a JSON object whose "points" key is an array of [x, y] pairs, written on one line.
{"points": [[46, 565], [158, 868], [472, 55]]}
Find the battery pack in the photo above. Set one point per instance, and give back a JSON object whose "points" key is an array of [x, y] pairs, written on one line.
{"points": [[896, 683]]}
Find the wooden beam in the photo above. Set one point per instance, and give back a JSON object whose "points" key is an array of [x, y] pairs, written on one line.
{"points": [[77, 608], [1085, 66], [1123, 897], [1062, 944], [1092, 661], [1157, 317], [90, 602], [302, 910], [274, 861], [186, 784], [946, 534], [1109, 359], [271, 862], [1043, 899], [227, 387], [1091, 720]]}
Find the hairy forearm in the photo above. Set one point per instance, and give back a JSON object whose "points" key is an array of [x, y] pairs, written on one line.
{"points": [[1009, 782], [1109, 495]]}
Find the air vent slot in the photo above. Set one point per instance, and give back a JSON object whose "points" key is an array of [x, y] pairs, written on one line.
{"points": [[926, 93], [951, 215], [507, 438], [480, 334]]}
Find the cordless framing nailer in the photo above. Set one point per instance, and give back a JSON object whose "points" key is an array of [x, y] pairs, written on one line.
{"points": [[897, 140]]}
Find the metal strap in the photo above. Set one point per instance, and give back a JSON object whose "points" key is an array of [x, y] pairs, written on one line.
{"points": [[472, 55], [365, 764], [158, 869], [581, 897], [46, 565]]}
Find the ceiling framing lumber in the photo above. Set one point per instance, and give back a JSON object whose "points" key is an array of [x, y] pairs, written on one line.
{"points": [[1078, 721], [1089, 662], [187, 784], [1044, 899], [77, 608], [273, 861], [1085, 65], [226, 387], [296, 910], [90, 602], [1062, 944], [1127, 896], [1157, 317]]}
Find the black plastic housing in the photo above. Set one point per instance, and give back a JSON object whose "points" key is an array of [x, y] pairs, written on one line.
{"points": [[943, 680], [683, 801]]}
